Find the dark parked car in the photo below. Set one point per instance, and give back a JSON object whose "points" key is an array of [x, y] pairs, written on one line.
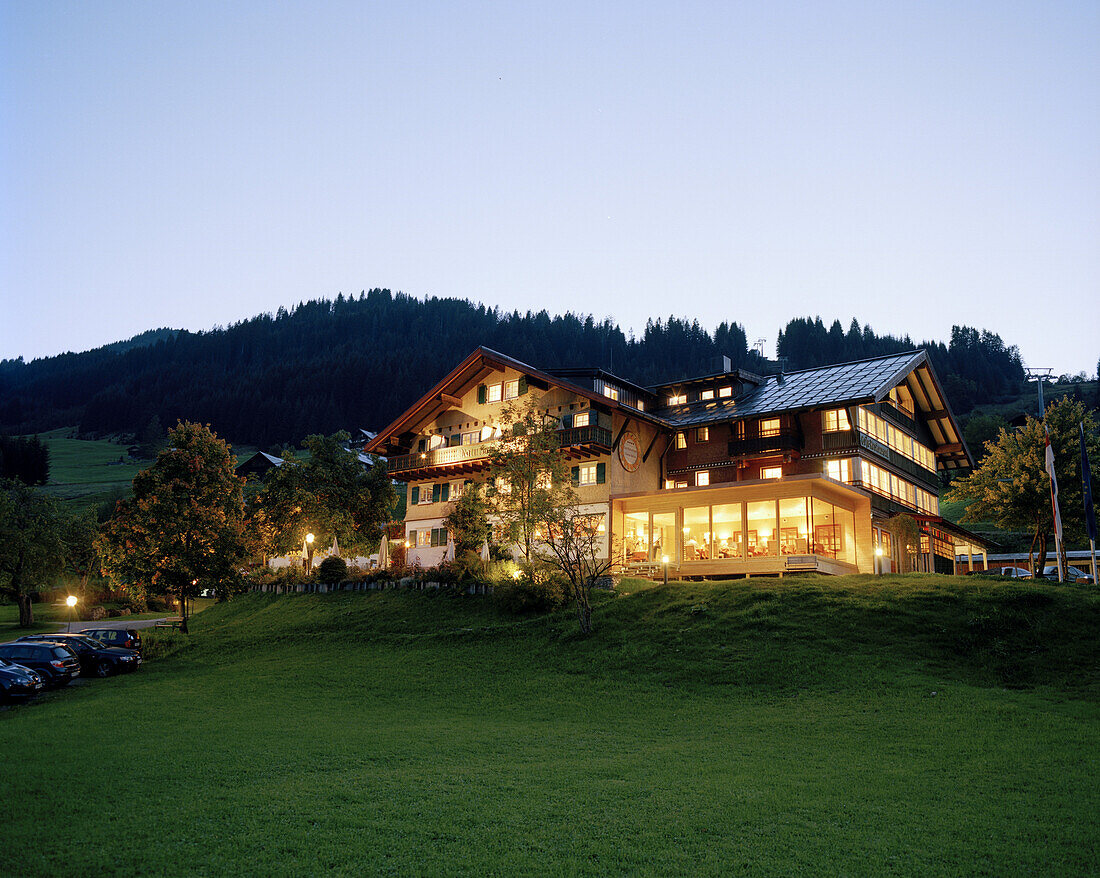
{"points": [[127, 638], [17, 681], [55, 663], [95, 658]]}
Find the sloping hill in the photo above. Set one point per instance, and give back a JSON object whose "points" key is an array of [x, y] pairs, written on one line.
{"points": [[857, 727]]}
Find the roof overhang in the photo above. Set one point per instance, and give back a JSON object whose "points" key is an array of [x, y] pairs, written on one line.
{"points": [[932, 407], [481, 364]]}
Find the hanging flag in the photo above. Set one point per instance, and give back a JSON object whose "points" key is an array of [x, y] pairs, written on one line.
{"points": [[1053, 489], [1086, 482]]}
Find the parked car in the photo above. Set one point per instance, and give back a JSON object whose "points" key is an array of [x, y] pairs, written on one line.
{"points": [[17, 681], [96, 659], [1073, 574], [54, 662], [127, 638], [1010, 572]]}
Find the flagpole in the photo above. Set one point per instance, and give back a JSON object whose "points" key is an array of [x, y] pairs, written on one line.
{"points": [[1054, 504], [1090, 514]]}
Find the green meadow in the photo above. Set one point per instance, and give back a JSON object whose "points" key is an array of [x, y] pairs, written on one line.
{"points": [[854, 726], [86, 472]]}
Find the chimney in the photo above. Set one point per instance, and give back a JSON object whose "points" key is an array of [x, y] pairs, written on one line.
{"points": [[721, 364]]}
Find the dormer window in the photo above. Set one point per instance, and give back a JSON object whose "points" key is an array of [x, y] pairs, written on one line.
{"points": [[725, 392], [677, 399], [707, 394], [611, 392]]}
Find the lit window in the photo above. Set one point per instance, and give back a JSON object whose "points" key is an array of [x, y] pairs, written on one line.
{"points": [[702, 434], [702, 478], [681, 484], [425, 495], [839, 470], [580, 419], [835, 420], [724, 392], [586, 474], [435, 442], [486, 433], [423, 537], [769, 427], [678, 399], [771, 472], [511, 389], [707, 394], [670, 484], [681, 440], [456, 489], [641, 405], [494, 393], [610, 392]]}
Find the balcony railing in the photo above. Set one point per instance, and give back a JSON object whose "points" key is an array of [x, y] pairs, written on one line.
{"points": [[928, 478], [900, 417], [481, 451], [784, 440]]}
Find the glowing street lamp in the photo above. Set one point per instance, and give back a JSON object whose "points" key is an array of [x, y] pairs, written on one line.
{"points": [[71, 602], [878, 560], [309, 553], [664, 560]]}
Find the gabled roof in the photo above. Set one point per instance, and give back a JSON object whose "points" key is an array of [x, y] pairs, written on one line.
{"points": [[858, 382], [843, 384], [479, 365]]}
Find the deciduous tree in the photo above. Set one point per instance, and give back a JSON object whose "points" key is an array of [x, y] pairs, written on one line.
{"points": [[574, 543], [1011, 487], [528, 476], [184, 527], [330, 493], [32, 544]]}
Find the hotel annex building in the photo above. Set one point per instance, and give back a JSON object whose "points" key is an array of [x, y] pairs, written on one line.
{"points": [[724, 474]]}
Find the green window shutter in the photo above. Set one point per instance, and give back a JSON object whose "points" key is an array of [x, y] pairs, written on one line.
{"points": [[446, 495], [422, 445], [601, 473], [436, 491], [456, 439], [414, 495], [522, 384], [575, 476], [481, 394], [567, 421]]}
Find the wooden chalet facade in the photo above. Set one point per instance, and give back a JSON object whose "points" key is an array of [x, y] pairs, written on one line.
{"points": [[725, 474]]}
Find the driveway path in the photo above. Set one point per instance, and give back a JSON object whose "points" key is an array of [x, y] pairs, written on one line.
{"points": [[113, 623]]}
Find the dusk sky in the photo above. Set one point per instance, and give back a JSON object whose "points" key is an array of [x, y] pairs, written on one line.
{"points": [[914, 165]]}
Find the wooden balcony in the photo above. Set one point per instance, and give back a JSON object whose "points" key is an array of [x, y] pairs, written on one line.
{"points": [[784, 440], [578, 442]]}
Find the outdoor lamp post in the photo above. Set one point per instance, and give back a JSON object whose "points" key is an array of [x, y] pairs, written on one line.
{"points": [[71, 602], [309, 553], [878, 560], [664, 560]]}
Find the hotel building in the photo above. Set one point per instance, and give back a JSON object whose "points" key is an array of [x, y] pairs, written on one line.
{"points": [[724, 474]]}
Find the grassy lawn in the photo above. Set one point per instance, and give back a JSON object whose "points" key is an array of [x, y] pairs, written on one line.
{"points": [[856, 726]]}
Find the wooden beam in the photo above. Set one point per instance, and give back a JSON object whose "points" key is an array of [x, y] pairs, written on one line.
{"points": [[492, 364], [954, 447], [652, 442], [450, 400], [622, 430], [935, 413]]}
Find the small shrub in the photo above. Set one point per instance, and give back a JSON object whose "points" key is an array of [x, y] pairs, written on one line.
{"points": [[522, 596], [332, 570]]}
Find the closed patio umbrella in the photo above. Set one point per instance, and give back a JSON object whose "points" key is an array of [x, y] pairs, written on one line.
{"points": [[334, 552], [384, 553], [449, 555], [485, 551]]}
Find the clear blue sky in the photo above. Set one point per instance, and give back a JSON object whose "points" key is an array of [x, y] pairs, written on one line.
{"points": [[914, 165]]}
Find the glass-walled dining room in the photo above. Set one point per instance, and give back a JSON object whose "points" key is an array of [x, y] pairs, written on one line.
{"points": [[734, 528]]}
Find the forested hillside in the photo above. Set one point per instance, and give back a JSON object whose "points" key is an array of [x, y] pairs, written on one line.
{"points": [[359, 361]]}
